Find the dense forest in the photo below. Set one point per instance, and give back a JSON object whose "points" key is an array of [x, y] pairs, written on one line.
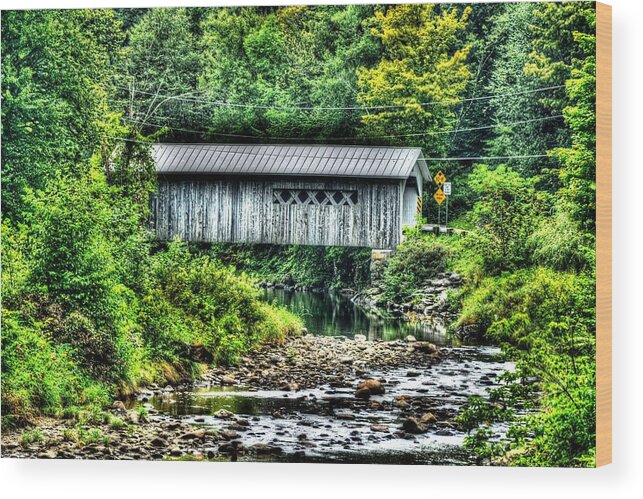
{"points": [[92, 306]]}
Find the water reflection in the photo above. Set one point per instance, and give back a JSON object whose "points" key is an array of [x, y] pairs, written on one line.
{"points": [[332, 314]]}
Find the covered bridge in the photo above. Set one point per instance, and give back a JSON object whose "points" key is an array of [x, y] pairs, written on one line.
{"points": [[287, 194]]}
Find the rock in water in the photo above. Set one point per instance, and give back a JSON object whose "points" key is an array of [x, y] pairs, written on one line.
{"points": [[412, 425], [428, 419], [369, 387], [265, 449], [228, 434], [362, 393], [223, 414], [194, 435], [425, 347]]}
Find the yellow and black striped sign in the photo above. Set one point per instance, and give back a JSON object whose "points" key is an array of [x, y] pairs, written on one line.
{"points": [[419, 204]]}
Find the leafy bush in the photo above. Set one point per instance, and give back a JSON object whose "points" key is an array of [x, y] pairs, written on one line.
{"points": [[416, 260], [504, 216], [83, 319], [559, 244], [223, 307], [332, 267], [38, 376]]}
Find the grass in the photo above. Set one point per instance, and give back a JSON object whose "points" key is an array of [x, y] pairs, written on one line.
{"points": [[116, 423], [31, 436], [82, 436]]}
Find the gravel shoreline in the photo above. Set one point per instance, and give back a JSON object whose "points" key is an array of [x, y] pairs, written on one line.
{"points": [[300, 363]]}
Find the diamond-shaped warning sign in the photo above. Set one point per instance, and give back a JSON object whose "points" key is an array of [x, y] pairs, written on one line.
{"points": [[439, 178], [439, 196]]}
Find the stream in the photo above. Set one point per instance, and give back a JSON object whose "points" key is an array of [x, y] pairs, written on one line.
{"points": [[326, 423]]}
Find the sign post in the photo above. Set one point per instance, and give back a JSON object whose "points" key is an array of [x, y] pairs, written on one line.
{"points": [[447, 191], [440, 195]]}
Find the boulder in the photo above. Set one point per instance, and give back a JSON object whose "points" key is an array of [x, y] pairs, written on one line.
{"points": [[369, 387], [223, 414], [194, 435], [265, 449], [359, 337], [276, 359], [412, 425], [428, 418], [425, 347], [228, 434], [158, 442], [119, 406]]}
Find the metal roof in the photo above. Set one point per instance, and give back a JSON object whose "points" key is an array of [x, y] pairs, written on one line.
{"points": [[301, 159]]}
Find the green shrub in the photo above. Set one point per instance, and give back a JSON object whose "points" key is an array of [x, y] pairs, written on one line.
{"points": [[416, 260], [559, 244], [199, 302], [30, 436], [38, 376], [504, 216], [332, 267]]}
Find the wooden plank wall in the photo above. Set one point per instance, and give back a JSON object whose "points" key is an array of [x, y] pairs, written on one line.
{"points": [[242, 211]]}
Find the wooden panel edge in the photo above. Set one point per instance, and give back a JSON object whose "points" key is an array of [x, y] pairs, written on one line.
{"points": [[603, 234]]}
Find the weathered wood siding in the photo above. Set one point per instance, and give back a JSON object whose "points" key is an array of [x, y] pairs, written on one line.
{"points": [[243, 211]]}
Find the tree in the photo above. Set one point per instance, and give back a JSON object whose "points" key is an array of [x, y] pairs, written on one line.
{"points": [[56, 66], [162, 62], [423, 60], [266, 65], [517, 99], [504, 215], [577, 172]]}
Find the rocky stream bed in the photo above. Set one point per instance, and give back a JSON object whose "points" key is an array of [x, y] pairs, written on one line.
{"points": [[314, 398]]}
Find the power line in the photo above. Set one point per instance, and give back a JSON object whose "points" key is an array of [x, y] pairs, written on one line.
{"points": [[419, 134], [221, 103], [468, 158], [210, 146]]}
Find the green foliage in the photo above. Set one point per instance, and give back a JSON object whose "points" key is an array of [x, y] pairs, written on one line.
{"points": [[333, 267], [504, 216], [39, 376], [218, 309], [416, 260], [30, 436], [513, 40], [55, 66], [282, 58], [162, 60], [423, 60], [559, 243]]}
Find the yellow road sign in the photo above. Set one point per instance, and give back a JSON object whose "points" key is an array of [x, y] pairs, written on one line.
{"points": [[419, 204], [440, 178], [439, 196]]}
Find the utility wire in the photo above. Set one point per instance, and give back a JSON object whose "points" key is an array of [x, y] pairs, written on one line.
{"points": [[468, 158], [419, 134], [221, 103]]}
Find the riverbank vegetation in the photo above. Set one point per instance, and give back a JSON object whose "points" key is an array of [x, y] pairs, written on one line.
{"points": [[92, 306]]}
